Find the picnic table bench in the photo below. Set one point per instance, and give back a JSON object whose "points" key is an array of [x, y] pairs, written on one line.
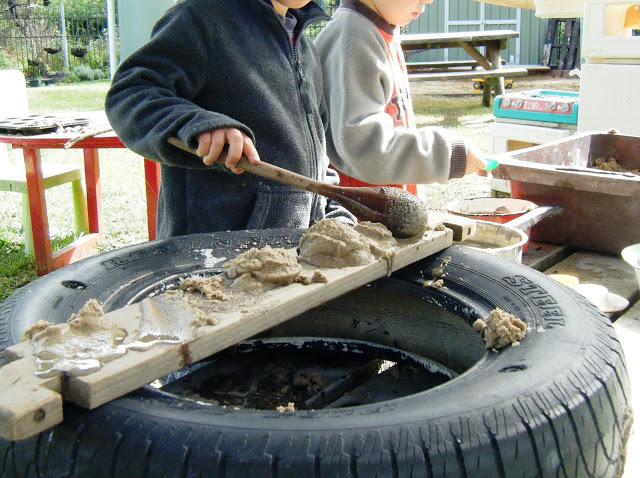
{"points": [[490, 61], [427, 66]]}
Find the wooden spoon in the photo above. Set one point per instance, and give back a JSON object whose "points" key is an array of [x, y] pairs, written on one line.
{"points": [[404, 214]]}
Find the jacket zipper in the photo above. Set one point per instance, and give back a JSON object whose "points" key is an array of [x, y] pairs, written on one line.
{"points": [[300, 79]]}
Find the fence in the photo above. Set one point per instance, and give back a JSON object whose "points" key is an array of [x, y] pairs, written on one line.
{"points": [[43, 41], [329, 7]]}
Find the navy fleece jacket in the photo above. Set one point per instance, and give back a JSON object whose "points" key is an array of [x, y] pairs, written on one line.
{"points": [[218, 64]]}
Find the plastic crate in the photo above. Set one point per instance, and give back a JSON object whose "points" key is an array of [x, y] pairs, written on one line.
{"points": [[601, 209]]}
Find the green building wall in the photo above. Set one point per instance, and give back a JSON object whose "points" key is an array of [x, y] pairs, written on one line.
{"points": [[136, 19], [468, 15]]}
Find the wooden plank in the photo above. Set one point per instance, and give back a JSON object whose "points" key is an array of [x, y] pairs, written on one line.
{"points": [[549, 38], [566, 36], [573, 56], [19, 388], [462, 227], [476, 55], [452, 75], [29, 404], [15, 179], [424, 65], [427, 41], [541, 255]]}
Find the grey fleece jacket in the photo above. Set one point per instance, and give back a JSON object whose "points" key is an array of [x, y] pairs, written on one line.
{"points": [[372, 135], [217, 64]]}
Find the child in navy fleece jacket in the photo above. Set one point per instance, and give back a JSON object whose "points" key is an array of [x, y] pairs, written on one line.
{"points": [[238, 73]]}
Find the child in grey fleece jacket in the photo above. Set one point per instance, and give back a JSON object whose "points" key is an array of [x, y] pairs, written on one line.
{"points": [[234, 72], [372, 134]]}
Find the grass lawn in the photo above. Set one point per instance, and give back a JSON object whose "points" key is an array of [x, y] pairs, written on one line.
{"points": [[85, 96], [122, 176]]}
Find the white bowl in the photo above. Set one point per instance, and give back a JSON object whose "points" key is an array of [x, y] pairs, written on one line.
{"points": [[600, 296], [631, 255]]}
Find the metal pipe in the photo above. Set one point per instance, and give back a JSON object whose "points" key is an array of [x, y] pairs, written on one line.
{"points": [[111, 28], [63, 38]]}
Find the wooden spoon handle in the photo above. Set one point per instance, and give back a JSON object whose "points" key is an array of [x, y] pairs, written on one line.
{"points": [[270, 171]]}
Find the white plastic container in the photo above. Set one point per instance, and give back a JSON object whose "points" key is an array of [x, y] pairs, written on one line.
{"points": [[605, 37], [509, 136], [512, 136], [609, 98], [559, 8]]}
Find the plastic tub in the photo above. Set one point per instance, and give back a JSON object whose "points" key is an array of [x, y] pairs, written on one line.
{"points": [[490, 209], [600, 207]]}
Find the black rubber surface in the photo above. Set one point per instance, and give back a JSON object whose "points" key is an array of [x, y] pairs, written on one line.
{"points": [[557, 405]]}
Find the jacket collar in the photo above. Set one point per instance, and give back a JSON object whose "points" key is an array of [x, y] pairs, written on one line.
{"points": [[371, 15], [306, 15]]}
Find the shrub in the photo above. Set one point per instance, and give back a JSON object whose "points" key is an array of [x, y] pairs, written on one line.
{"points": [[9, 61], [98, 51], [86, 73]]}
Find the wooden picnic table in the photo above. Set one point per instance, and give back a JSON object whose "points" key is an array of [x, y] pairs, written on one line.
{"points": [[493, 41], [46, 261], [611, 271]]}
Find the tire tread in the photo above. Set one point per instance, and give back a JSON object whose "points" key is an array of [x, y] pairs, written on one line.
{"points": [[574, 425]]}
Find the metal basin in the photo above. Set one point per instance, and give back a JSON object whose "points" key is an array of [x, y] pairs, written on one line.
{"points": [[508, 240]]}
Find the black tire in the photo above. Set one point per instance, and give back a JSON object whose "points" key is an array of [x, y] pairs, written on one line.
{"points": [[557, 405], [477, 85]]}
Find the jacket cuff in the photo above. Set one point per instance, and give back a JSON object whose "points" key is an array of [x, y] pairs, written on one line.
{"points": [[458, 159], [189, 133]]}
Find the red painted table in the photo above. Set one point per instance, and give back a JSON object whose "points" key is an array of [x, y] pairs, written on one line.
{"points": [[46, 261]]}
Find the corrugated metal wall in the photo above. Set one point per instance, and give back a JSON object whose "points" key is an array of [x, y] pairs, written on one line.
{"points": [[533, 29], [469, 15]]}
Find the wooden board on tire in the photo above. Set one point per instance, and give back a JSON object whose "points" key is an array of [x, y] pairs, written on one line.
{"points": [[30, 404]]}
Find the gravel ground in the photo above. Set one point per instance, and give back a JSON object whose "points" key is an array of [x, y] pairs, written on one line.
{"points": [[436, 196], [465, 87]]}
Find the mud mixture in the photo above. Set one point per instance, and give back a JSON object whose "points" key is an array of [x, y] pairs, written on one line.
{"points": [[91, 339], [258, 270], [500, 329], [79, 346], [332, 243], [611, 164]]}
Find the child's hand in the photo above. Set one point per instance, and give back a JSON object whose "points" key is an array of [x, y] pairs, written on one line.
{"points": [[212, 143], [475, 162]]}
